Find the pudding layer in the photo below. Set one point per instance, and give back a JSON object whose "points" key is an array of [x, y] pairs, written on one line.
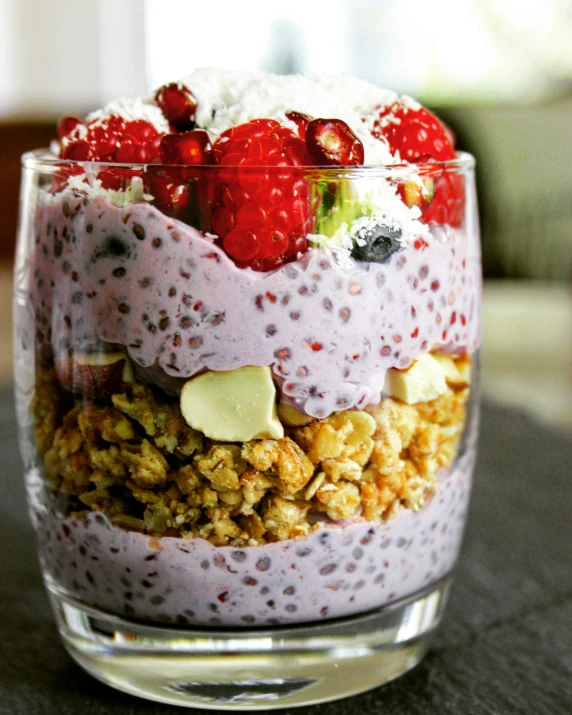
{"points": [[133, 277], [334, 572]]}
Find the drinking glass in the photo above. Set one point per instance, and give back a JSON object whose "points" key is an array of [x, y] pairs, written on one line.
{"points": [[249, 486]]}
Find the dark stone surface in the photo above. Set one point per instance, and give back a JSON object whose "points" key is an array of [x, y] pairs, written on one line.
{"points": [[506, 643]]}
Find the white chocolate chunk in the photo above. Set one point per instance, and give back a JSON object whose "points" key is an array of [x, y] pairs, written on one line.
{"points": [[457, 372], [424, 380], [234, 406]]}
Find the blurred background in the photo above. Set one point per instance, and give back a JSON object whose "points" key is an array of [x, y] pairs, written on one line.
{"points": [[499, 71]]}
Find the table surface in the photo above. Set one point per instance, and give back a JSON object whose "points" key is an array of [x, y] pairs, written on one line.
{"points": [[505, 645]]}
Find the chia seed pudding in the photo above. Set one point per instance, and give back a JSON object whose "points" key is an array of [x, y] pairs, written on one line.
{"points": [[333, 572], [252, 307]]}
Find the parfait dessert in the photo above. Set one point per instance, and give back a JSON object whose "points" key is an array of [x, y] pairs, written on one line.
{"points": [[247, 323]]}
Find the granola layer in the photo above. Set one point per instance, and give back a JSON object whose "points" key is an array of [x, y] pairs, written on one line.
{"points": [[134, 458]]}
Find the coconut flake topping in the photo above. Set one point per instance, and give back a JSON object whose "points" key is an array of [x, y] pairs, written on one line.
{"points": [[132, 110], [227, 98]]}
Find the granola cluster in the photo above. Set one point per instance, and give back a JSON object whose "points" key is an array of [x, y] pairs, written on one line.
{"points": [[135, 458]]}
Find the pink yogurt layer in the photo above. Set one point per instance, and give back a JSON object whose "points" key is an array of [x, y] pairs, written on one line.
{"points": [[336, 571], [133, 277]]}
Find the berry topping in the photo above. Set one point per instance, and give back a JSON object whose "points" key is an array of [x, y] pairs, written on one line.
{"points": [[376, 243], [190, 148], [169, 195], [420, 137], [416, 134], [261, 216], [113, 139], [117, 178], [301, 121], [66, 125], [178, 104], [331, 141], [448, 205]]}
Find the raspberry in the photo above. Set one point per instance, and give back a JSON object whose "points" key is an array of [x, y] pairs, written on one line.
{"points": [[448, 205], [262, 216], [66, 125], [414, 133], [113, 139], [419, 136], [61, 176]]}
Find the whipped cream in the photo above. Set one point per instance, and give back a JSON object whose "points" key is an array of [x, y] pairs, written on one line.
{"points": [[227, 98]]}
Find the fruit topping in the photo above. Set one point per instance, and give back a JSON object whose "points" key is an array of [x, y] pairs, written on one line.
{"points": [[301, 121], [66, 125], [94, 375], [178, 104], [189, 148], [113, 139], [170, 193], [416, 134], [332, 142], [375, 242], [117, 178], [234, 406], [424, 380], [448, 204], [261, 203], [420, 137]]}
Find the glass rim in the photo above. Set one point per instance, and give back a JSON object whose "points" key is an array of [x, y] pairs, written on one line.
{"points": [[43, 159]]}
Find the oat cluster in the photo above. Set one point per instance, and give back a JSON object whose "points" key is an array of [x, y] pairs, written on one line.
{"points": [[135, 458]]}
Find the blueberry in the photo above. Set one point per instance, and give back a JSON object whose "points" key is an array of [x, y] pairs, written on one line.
{"points": [[381, 242], [111, 247]]}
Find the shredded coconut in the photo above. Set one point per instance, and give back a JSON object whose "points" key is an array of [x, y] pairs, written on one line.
{"points": [[131, 110], [380, 204], [91, 187], [227, 98]]}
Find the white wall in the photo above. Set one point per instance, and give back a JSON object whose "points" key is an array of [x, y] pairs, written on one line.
{"points": [[63, 56], [66, 56], [289, 36]]}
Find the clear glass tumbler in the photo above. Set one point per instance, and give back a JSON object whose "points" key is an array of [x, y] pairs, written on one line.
{"points": [[247, 482]]}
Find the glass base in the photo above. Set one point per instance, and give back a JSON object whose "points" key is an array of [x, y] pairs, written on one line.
{"points": [[255, 669]]}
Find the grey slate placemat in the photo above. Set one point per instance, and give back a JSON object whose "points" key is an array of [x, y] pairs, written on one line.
{"points": [[505, 646]]}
